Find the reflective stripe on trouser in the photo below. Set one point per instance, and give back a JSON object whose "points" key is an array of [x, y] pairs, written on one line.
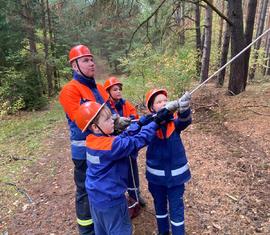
{"points": [[162, 195], [130, 185], [84, 219]]}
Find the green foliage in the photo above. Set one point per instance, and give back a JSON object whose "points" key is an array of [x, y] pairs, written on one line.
{"points": [[148, 69], [19, 90]]}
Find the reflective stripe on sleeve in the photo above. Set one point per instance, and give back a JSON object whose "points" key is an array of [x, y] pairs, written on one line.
{"points": [[180, 170], [93, 159], [85, 222], [78, 143], [155, 171]]}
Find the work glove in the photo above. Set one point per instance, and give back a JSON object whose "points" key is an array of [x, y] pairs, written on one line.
{"points": [[120, 123], [146, 119], [181, 104], [164, 115], [184, 102]]}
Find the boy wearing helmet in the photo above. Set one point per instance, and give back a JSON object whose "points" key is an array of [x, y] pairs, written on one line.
{"points": [[80, 89], [107, 155], [166, 163], [125, 109]]}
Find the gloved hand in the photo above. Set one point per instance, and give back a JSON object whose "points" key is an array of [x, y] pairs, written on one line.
{"points": [[120, 123], [172, 105], [184, 102], [163, 115], [144, 120]]}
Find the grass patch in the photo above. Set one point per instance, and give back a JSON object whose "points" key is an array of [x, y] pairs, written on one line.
{"points": [[21, 140]]}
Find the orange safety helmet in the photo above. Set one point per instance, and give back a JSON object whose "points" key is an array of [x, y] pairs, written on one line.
{"points": [[78, 52], [86, 114], [153, 92], [111, 81]]}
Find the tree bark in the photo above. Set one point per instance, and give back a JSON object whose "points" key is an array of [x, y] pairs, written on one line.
{"points": [[198, 37], [29, 27], [221, 26], [224, 53], [182, 24], [266, 69], [236, 81], [207, 44], [258, 33], [52, 47], [46, 49], [250, 19]]}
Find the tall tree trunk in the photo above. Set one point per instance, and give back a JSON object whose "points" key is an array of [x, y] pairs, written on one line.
{"points": [[236, 81], [46, 49], [207, 44], [182, 24], [52, 47], [180, 21], [217, 63], [266, 69], [221, 20], [250, 19], [27, 17], [224, 53], [258, 33], [198, 37]]}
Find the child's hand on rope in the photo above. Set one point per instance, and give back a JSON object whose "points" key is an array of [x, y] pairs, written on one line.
{"points": [[184, 102]]}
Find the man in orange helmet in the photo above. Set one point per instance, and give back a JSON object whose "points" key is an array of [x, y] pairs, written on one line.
{"points": [[80, 89]]}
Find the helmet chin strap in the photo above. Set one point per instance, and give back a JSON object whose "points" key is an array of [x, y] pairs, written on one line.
{"points": [[81, 70], [101, 129]]}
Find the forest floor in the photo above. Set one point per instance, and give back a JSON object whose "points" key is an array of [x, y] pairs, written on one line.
{"points": [[228, 146]]}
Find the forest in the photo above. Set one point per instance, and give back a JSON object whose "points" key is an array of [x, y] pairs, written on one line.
{"points": [[172, 44]]}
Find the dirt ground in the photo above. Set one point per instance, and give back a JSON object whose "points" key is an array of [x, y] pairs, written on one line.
{"points": [[228, 147]]}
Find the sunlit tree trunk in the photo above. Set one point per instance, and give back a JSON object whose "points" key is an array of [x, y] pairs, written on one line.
{"points": [[224, 53], [250, 19], [258, 33], [46, 49], [198, 37], [207, 44]]}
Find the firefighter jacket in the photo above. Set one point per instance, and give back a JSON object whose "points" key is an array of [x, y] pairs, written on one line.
{"points": [[124, 108], [73, 94], [166, 161], [108, 163]]}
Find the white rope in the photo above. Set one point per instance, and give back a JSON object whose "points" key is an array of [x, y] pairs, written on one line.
{"points": [[230, 61], [134, 185]]}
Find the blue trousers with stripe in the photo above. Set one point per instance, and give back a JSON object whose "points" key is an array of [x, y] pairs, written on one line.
{"points": [[163, 196], [84, 219], [112, 221]]}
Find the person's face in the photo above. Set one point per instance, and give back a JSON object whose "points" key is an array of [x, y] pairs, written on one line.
{"points": [[105, 122], [116, 92], [87, 66], [159, 102]]}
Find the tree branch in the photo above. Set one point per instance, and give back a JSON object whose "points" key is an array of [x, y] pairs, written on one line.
{"points": [[141, 24], [218, 12]]}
